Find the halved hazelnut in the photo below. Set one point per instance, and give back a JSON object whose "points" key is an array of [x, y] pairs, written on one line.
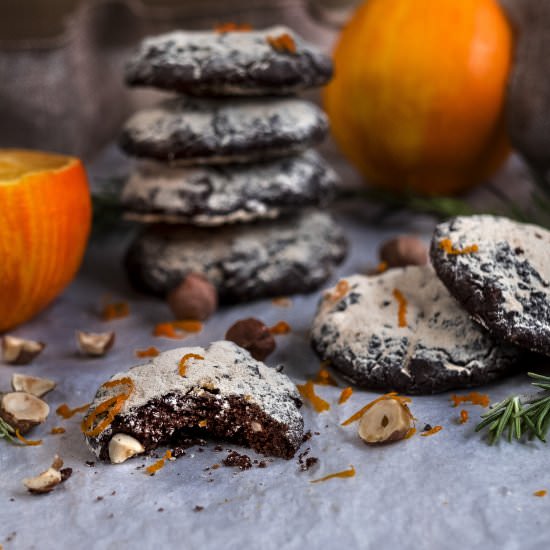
{"points": [[386, 421], [31, 384], [95, 344], [23, 410], [18, 351], [122, 447], [48, 480]]}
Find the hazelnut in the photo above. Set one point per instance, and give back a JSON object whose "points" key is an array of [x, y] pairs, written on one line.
{"points": [[31, 384], [252, 335], [194, 298], [403, 251], [95, 344], [17, 351], [48, 480], [386, 421], [122, 447], [23, 410]]}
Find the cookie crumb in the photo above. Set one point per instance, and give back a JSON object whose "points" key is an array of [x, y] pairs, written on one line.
{"points": [[235, 459], [198, 508]]}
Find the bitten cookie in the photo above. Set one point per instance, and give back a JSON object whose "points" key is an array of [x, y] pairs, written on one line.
{"points": [[403, 331], [290, 255], [499, 270], [219, 391], [218, 195], [189, 130], [229, 63]]}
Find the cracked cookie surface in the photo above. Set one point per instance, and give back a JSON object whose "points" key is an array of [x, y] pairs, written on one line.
{"points": [[505, 283], [438, 348], [228, 63]]}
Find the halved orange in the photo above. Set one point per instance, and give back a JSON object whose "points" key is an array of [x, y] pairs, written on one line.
{"points": [[45, 220]]}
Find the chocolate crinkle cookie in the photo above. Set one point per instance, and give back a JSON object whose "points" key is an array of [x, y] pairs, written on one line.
{"points": [[221, 392], [210, 196], [229, 63], [403, 331], [191, 130], [290, 255], [499, 271]]}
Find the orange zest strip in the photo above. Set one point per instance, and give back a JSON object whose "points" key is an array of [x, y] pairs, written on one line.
{"points": [[541, 493], [324, 378], [176, 329], [282, 327], [341, 289], [124, 381], [447, 246], [402, 304], [57, 430], [381, 267], [149, 352], [281, 301], [182, 365], [28, 442], [232, 27], [410, 433], [115, 310], [362, 411], [307, 391], [344, 473], [65, 412], [203, 423], [345, 395], [433, 431], [474, 397], [463, 416], [159, 464], [283, 43]]}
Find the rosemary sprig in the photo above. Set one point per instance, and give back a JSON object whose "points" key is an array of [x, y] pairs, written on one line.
{"points": [[520, 415], [7, 431]]}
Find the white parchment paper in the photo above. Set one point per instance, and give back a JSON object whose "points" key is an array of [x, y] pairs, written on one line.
{"points": [[449, 491]]}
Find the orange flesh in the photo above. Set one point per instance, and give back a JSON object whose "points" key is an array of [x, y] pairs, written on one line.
{"points": [[344, 473], [447, 246], [58, 430], [463, 416], [433, 431], [362, 411], [65, 412], [307, 391], [402, 304], [28, 442], [541, 493], [182, 366], [345, 395], [116, 310], [159, 464], [282, 327], [149, 352], [45, 220], [475, 398]]}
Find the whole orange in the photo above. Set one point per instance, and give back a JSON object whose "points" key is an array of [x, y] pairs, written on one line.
{"points": [[45, 218], [417, 99]]}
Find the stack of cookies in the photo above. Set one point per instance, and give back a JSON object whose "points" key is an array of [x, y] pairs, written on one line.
{"points": [[462, 321], [226, 181]]}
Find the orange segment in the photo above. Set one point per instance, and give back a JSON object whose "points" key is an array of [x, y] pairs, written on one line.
{"points": [[45, 222]]}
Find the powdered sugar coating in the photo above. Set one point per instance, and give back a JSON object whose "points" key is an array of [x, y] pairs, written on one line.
{"points": [[217, 195], [440, 347], [290, 255], [505, 284], [217, 131], [229, 63], [226, 371]]}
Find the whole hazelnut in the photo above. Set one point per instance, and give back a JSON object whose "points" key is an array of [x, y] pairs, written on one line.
{"points": [[252, 335], [194, 298], [403, 251]]}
